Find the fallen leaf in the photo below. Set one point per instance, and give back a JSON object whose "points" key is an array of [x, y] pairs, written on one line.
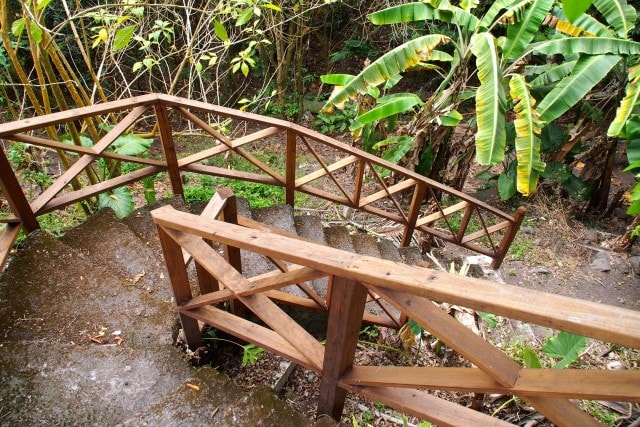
{"points": [[407, 337], [193, 386], [137, 277]]}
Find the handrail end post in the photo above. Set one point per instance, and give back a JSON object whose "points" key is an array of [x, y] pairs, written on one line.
{"points": [[505, 244]]}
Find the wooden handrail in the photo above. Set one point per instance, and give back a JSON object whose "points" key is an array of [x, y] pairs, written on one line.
{"points": [[411, 290], [401, 201]]}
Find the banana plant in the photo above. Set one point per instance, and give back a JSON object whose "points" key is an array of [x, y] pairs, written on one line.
{"points": [[495, 47]]}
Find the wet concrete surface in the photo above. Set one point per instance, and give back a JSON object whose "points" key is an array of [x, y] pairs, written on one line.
{"points": [[83, 342]]}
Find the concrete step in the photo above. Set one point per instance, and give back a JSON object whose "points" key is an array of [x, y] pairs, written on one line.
{"points": [[106, 240], [310, 227]]}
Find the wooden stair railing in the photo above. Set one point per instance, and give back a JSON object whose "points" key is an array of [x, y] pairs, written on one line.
{"points": [[315, 164], [411, 290]]}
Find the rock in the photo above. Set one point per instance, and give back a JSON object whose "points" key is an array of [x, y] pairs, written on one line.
{"points": [[592, 236], [539, 270], [620, 265], [634, 261], [526, 230], [601, 262]]}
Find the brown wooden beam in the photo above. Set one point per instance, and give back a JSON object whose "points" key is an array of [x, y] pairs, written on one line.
{"points": [[15, 196], [168, 148], [343, 328]]}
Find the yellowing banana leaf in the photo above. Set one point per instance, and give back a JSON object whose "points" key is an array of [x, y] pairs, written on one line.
{"points": [[618, 14], [495, 9], [419, 11], [387, 66], [520, 34], [586, 25], [588, 71], [587, 45], [528, 127], [627, 104], [490, 101]]}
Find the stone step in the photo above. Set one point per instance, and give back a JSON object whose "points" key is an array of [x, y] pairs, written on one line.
{"points": [[106, 240]]}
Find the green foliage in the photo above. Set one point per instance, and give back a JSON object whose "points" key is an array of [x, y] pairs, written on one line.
{"points": [[357, 48], [120, 200], [564, 346], [251, 353], [491, 319], [334, 122]]}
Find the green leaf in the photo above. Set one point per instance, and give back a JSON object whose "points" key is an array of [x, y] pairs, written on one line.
{"points": [[387, 66], [587, 45], [520, 34], [589, 70], [554, 73], [490, 319], [584, 25], [220, 31], [131, 145], [414, 327], [452, 118], [18, 26], [401, 146], [531, 360], [627, 104], [490, 101], [386, 109], [336, 79], [36, 32], [120, 200], [528, 126], [506, 185], [566, 347], [41, 4], [123, 37], [493, 11], [410, 12], [244, 16], [574, 8], [618, 14]]}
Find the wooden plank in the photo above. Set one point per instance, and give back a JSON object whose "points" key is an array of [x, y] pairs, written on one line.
{"points": [[290, 172], [324, 166], [56, 145], [168, 148], [202, 155], [10, 187], [212, 210], [441, 214], [426, 407], [357, 190], [448, 237], [563, 413], [343, 329], [180, 285], [611, 324], [32, 123], [492, 361], [92, 190], [7, 239], [259, 304], [230, 173], [261, 283], [250, 332], [86, 160], [204, 126], [505, 243], [483, 232], [324, 171], [402, 185], [590, 384], [256, 136], [412, 217]]}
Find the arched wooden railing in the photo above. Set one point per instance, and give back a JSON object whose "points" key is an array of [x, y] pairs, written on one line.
{"points": [[411, 290], [314, 164]]}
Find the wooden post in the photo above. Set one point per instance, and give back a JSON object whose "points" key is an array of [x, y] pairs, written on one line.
{"points": [[290, 189], [414, 211], [166, 138], [180, 283], [231, 253], [345, 319], [466, 217], [505, 243], [15, 196]]}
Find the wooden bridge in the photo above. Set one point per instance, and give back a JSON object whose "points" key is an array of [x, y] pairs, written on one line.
{"points": [[312, 165]]}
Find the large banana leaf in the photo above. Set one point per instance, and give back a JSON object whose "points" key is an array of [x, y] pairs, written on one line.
{"points": [[618, 14], [387, 107], [520, 34], [490, 101], [587, 24], [528, 126], [554, 73], [627, 104], [412, 12], [409, 12], [387, 66], [587, 45], [588, 71], [495, 9]]}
